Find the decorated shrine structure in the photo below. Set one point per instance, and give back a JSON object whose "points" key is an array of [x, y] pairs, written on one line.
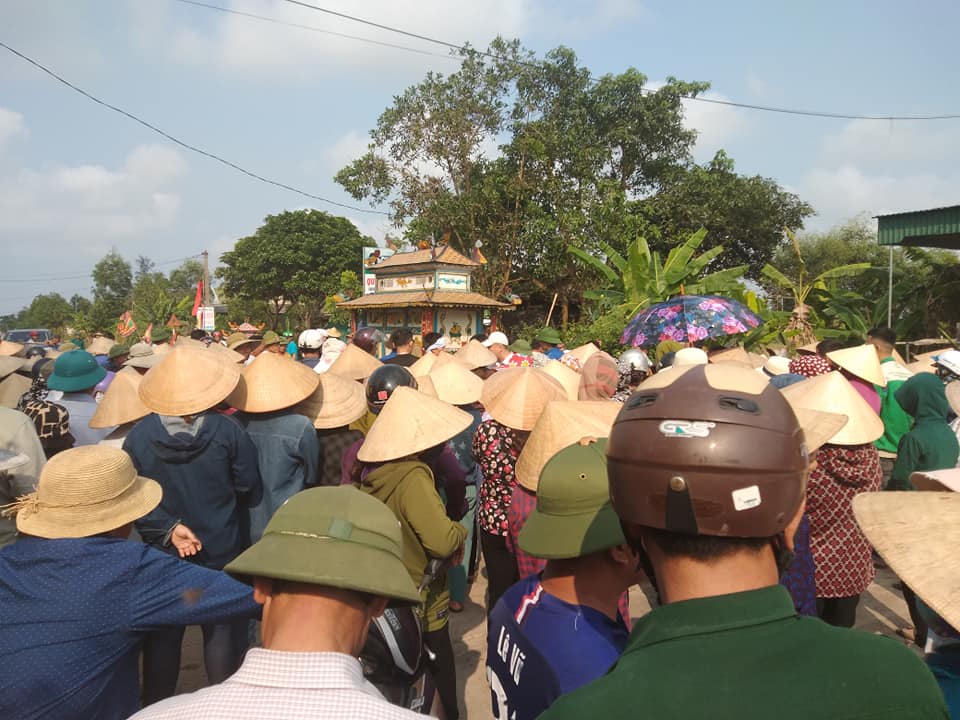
{"points": [[426, 291]]}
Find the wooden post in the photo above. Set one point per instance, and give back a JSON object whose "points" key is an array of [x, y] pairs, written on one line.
{"points": [[552, 306]]}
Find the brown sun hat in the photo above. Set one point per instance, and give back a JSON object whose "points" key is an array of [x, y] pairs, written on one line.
{"points": [[336, 402], [563, 423], [411, 422], [354, 363], [584, 351], [917, 534], [9, 348], [10, 364], [272, 382], [566, 376], [474, 355], [188, 382], [453, 383], [515, 397], [861, 361], [938, 480], [833, 393], [83, 492], [142, 356], [238, 339], [121, 402], [12, 389], [427, 362]]}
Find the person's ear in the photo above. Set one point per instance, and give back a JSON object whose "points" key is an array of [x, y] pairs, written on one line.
{"points": [[262, 590], [377, 606], [623, 554], [790, 531]]}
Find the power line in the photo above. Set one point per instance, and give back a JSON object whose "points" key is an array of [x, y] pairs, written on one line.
{"points": [[181, 143], [746, 106], [51, 278]]}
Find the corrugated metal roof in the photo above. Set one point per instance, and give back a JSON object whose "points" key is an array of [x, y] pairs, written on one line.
{"points": [[419, 298], [444, 254], [938, 227]]}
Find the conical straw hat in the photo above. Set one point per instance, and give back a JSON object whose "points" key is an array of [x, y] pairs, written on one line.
{"points": [[562, 423], [735, 354], [9, 348], [425, 364], [938, 480], [584, 351], [354, 363], [474, 355], [808, 349], [187, 382], [12, 388], [272, 382], [566, 376], [121, 402], [832, 393], [426, 386], [917, 534], [411, 422], [228, 354], [9, 364], [861, 361], [952, 391], [335, 403], [921, 366], [515, 397], [100, 345], [454, 383]]}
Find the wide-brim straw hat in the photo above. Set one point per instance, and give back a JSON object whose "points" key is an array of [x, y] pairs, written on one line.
{"points": [[516, 396], [584, 351], [12, 389], [336, 402], [121, 402], [832, 392], [562, 423], [409, 423], [9, 348], [84, 492], [272, 382], [861, 361], [566, 376], [427, 362], [474, 355], [100, 345], [238, 339], [454, 383], [917, 534], [937, 480], [188, 382], [776, 365], [354, 363], [10, 364]]}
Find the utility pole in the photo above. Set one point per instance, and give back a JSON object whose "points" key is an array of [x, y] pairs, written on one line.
{"points": [[206, 278]]}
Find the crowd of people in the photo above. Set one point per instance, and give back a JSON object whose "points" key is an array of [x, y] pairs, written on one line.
{"points": [[282, 494]]}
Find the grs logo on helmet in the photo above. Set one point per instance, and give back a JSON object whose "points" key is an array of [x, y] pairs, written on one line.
{"points": [[686, 428]]}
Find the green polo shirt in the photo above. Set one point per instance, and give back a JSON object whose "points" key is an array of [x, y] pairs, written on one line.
{"points": [[749, 655]]}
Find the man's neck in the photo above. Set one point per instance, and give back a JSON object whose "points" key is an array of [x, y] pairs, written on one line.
{"points": [[682, 578], [585, 584]]}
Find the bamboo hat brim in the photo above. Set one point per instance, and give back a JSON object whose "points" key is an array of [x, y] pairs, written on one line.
{"points": [[921, 366], [354, 363], [833, 393], [584, 351], [937, 480], [10, 364], [12, 389], [808, 349], [516, 396], [272, 382], [474, 355], [952, 391], [86, 491], [861, 361], [188, 382], [336, 402], [562, 423], [735, 354], [566, 376], [100, 345], [428, 362], [917, 534], [454, 383], [121, 402], [411, 422], [9, 348]]}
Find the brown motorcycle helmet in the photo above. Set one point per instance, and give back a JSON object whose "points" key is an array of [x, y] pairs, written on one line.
{"points": [[708, 450]]}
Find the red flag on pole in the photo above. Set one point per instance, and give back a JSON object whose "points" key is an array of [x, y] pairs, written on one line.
{"points": [[146, 335], [198, 301]]}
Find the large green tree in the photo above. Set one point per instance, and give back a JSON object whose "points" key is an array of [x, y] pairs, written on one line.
{"points": [[49, 311], [112, 290], [295, 257]]}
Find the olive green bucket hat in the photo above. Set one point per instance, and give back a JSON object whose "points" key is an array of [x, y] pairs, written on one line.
{"points": [[521, 346], [334, 536], [549, 335], [573, 516]]}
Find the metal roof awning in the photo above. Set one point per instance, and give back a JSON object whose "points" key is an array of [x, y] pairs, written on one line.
{"points": [[937, 227], [422, 298]]}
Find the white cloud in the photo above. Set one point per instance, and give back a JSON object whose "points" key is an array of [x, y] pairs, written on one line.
{"points": [[11, 125], [87, 208], [345, 149], [877, 144], [716, 125]]}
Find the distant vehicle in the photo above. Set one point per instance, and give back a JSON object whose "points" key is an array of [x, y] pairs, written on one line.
{"points": [[30, 336]]}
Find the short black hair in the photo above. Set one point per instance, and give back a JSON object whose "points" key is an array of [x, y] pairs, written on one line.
{"points": [[479, 337], [829, 345], [704, 548], [400, 336], [883, 334], [197, 334], [430, 338], [536, 345]]}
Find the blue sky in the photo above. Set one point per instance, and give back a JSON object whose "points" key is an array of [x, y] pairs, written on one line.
{"points": [[296, 105]]}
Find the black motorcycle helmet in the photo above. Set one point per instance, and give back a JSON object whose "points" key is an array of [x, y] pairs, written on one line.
{"points": [[367, 339], [35, 351], [392, 654], [383, 381]]}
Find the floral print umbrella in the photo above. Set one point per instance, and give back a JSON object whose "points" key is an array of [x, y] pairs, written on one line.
{"points": [[689, 318]]}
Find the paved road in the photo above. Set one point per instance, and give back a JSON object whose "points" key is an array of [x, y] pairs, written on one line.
{"points": [[881, 610]]}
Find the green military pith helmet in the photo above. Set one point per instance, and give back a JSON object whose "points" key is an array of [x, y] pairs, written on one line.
{"points": [[333, 536], [521, 346], [549, 335], [573, 516]]}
